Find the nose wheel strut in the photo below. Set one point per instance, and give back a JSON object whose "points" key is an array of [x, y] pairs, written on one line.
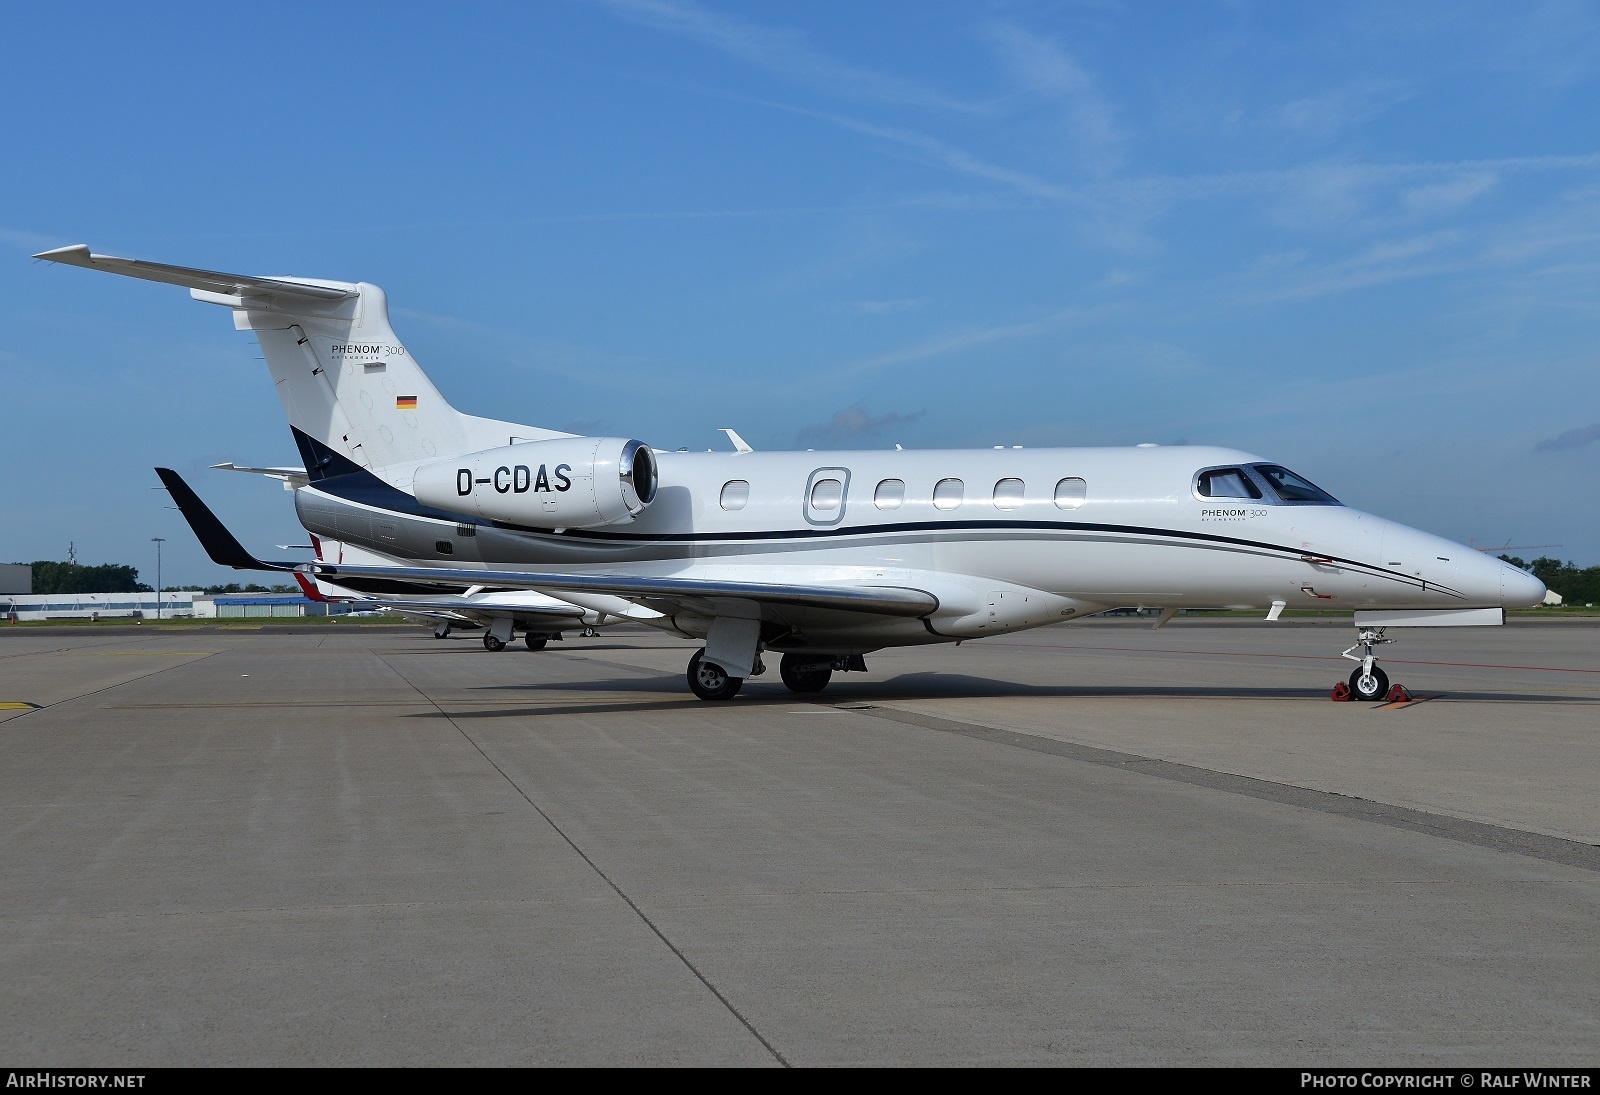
{"points": [[1367, 682]]}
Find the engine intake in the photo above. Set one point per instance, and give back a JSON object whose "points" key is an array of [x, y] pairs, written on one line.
{"points": [[568, 482]]}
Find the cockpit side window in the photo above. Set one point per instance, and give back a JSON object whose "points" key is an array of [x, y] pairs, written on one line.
{"points": [[1226, 483], [1292, 488]]}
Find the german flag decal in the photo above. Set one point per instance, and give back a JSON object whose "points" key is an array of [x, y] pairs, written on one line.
{"points": [[405, 402]]}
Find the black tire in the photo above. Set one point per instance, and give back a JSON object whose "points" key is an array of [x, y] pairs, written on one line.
{"points": [[535, 642], [442, 631], [803, 674], [492, 643], [710, 681], [1375, 687]]}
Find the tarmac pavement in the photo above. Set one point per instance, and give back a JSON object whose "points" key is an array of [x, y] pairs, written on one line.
{"points": [[1092, 844]]}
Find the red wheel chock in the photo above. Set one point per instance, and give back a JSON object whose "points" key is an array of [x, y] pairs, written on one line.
{"points": [[1341, 693], [1398, 694]]}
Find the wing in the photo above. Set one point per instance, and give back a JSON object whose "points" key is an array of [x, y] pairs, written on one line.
{"points": [[708, 596]]}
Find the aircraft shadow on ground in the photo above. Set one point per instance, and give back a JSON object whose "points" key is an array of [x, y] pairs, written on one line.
{"points": [[769, 690]]}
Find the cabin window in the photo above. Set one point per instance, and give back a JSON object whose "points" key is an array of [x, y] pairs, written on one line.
{"points": [[1226, 483], [735, 494], [1008, 494], [1071, 492], [947, 493], [890, 494], [1292, 488], [826, 494]]}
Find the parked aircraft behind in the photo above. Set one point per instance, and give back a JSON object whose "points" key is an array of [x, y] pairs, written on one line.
{"points": [[822, 557], [501, 613]]}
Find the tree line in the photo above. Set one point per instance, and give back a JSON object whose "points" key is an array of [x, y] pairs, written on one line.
{"points": [[1577, 587], [50, 576]]}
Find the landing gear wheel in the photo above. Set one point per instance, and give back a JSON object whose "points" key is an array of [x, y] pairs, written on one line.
{"points": [[441, 631], [492, 643], [590, 633], [710, 681], [535, 642], [1375, 687], [803, 674]]}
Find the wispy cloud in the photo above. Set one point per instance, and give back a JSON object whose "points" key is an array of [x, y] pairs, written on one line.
{"points": [[1332, 113], [852, 424], [947, 155], [1572, 439], [32, 241], [881, 307], [780, 51], [1437, 199], [950, 342], [1385, 261], [1045, 68]]}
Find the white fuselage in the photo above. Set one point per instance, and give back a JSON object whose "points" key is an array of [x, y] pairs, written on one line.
{"points": [[1004, 543]]}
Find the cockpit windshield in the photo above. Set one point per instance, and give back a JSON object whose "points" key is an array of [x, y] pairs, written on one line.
{"points": [[1226, 483], [1291, 488]]}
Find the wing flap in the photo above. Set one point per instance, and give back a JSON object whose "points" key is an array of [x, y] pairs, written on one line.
{"points": [[881, 600]]}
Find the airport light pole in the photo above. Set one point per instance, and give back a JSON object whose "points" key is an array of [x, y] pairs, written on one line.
{"points": [[158, 541]]}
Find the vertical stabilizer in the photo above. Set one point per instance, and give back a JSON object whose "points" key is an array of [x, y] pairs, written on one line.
{"points": [[346, 381]]}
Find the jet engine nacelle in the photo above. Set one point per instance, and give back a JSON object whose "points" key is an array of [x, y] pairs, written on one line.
{"points": [[568, 482]]}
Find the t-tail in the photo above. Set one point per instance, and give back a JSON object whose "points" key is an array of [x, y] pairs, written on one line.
{"points": [[351, 390]]}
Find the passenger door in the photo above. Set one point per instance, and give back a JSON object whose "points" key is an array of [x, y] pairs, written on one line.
{"points": [[826, 491]]}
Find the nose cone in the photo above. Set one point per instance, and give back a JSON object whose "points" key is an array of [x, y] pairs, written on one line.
{"points": [[1518, 588]]}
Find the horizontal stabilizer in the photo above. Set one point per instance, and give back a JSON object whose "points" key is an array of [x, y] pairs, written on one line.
{"points": [[210, 281], [291, 478]]}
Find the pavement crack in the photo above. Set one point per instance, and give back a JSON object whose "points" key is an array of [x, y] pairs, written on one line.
{"points": [[1553, 849], [607, 879]]}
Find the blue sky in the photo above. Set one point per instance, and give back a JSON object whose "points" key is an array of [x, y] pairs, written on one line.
{"points": [[1362, 239]]}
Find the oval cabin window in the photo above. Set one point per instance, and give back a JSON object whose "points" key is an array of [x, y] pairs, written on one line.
{"points": [[1008, 494], [947, 494], [735, 494], [1070, 493], [826, 494], [890, 494]]}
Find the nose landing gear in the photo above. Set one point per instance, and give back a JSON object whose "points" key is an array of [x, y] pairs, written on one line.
{"points": [[1367, 682]]}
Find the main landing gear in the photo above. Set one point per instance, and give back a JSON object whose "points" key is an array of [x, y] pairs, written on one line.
{"points": [[710, 681], [1368, 682], [800, 672], [803, 674], [493, 642], [441, 630]]}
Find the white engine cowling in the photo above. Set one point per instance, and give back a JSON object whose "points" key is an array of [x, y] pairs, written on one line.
{"points": [[568, 482]]}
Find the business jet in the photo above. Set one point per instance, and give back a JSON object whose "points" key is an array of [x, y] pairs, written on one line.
{"points": [[501, 614], [822, 558]]}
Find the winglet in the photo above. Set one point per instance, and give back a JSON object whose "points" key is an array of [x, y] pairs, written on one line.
{"points": [[219, 543], [309, 588]]}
